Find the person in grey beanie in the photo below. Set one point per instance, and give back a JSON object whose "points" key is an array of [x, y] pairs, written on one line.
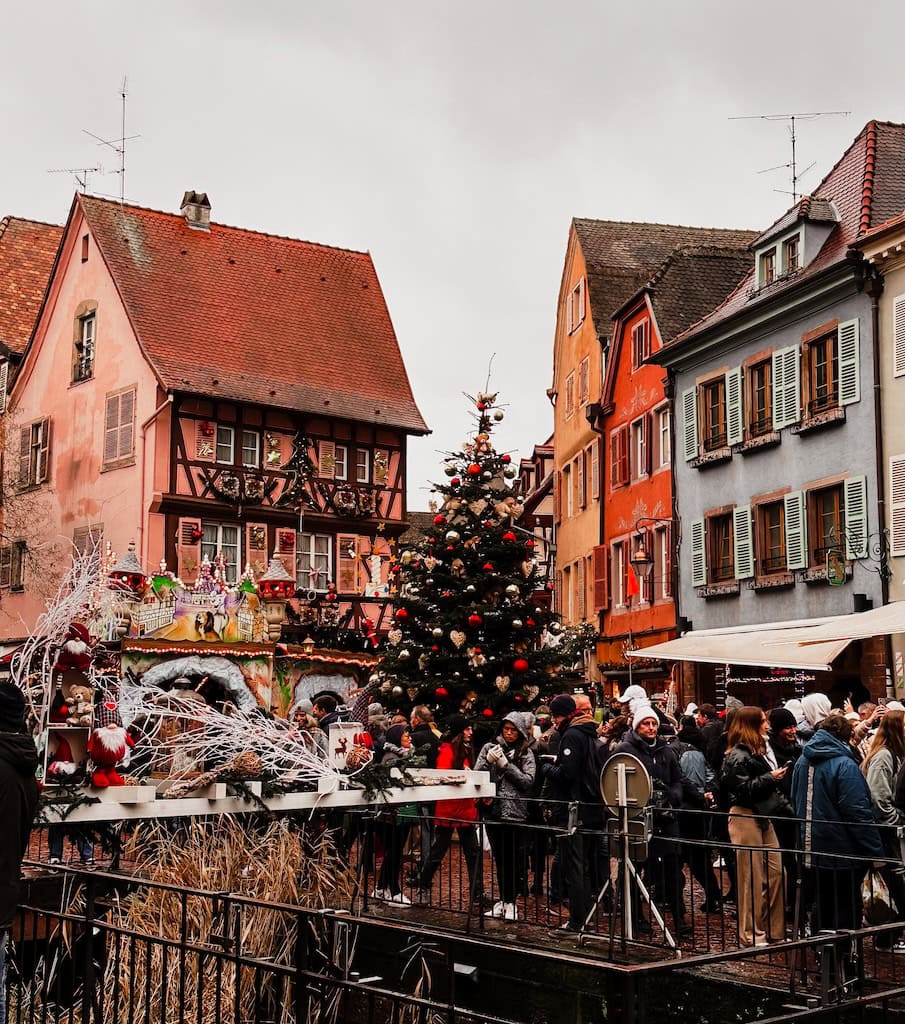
{"points": [[512, 767], [18, 803]]}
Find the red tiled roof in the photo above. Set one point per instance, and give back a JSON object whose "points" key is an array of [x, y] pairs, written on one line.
{"points": [[253, 317], [27, 251], [867, 188], [621, 256]]}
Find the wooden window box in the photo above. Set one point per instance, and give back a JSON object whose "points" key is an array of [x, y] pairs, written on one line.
{"points": [[775, 581], [714, 458], [729, 589], [756, 444], [820, 421]]}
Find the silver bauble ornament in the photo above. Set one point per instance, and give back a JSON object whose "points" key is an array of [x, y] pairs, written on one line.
{"points": [[512, 590], [487, 475], [397, 691], [509, 472], [404, 654], [452, 536], [436, 632], [555, 627], [517, 623], [498, 415], [470, 588], [450, 470]]}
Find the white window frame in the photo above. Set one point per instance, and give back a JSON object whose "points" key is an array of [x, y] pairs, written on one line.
{"points": [[230, 444], [662, 561], [212, 548], [577, 304], [85, 347], [617, 573], [362, 467], [762, 255], [639, 442], [664, 436], [341, 462], [254, 463], [785, 252], [314, 550]]}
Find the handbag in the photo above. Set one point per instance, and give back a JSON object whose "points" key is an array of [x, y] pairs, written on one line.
{"points": [[774, 805], [878, 908]]}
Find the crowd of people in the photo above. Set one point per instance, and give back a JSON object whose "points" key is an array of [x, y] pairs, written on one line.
{"points": [[777, 814]]}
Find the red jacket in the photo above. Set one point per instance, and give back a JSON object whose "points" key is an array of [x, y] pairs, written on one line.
{"points": [[451, 812]]}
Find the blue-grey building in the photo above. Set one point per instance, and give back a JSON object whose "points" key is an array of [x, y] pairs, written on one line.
{"points": [[776, 415]]}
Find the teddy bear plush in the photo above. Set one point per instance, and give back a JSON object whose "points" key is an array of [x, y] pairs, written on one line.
{"points": [[81, 705]]}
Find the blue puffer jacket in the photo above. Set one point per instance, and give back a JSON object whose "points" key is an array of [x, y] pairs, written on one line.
{"points": [[836, 798]]}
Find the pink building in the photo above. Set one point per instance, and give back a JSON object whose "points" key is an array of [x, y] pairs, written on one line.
{"points": [[206, 391]]}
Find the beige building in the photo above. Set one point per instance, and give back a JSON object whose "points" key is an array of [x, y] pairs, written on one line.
{"points": [[884, 249]]}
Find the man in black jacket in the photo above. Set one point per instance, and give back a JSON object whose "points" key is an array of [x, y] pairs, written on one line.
{"points": [[663, 870], [575, 780], [18, 801], [426, 741]]}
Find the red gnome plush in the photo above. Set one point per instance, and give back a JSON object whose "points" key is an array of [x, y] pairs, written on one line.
{"points": [[107, 746], [61, 764], [76, 650]]}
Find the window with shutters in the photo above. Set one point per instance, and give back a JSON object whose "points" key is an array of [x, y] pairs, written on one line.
{"points": [[826, 514], [314, 567], [599, 566], [34, 454], [581, 480], [766, 268], [770, 538], [640, 343], [619, 457], [226, 445], [594, 457], [639, 467], [87, 541], [570, 396], [223, 539], [759, 402], [4, 383], [83, 354], [576, 305], [713, 400], [791, 254], [897, 505], [822, 360], [119, 428], [898, 335], [720, 542], [584, 381], [6, 566], [340, 462], [619, 563], [566, 496], [582, 604]]}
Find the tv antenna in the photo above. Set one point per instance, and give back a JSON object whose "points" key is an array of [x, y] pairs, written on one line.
{"points": [[118, 145], [79, 173], [792, 165]]}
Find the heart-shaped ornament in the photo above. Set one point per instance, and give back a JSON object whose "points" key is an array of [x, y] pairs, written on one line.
{"points": [[395, 637], [457, 637], [501, 683]]}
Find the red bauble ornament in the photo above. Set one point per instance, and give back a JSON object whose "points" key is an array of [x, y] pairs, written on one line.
{"points": [[455, 482], [488, 567], [551, 586], [518, 699], [529, 543], [435, 648], [473, 470], [477, 650], [441, 693], [395, 569], [474, 619], [505, 458], [510, 536], [530, 622], [450, 547], [196, 533], [520, 665], [401, 614], [488, 522], [487, 712], [439, 520], [447, 594], [482, 406]]}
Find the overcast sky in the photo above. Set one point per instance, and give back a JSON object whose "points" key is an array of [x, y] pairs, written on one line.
{"points": [[454, 141]]}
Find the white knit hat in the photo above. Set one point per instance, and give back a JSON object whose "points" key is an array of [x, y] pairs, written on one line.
{"points": [[815, 707], [642, 712]]}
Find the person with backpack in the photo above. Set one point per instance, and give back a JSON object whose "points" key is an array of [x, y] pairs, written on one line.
{"points": [[663, 869], [574, 778]]}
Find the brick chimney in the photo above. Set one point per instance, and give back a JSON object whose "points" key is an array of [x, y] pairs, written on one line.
{"points": [[196, 208]]}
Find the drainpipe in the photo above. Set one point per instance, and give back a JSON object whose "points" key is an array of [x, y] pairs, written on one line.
{"points": [[873, 287], [669, 393], [144, 438], [592, 414]]}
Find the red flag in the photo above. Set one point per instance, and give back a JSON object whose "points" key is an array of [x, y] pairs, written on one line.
{"points": [[631, 583]]}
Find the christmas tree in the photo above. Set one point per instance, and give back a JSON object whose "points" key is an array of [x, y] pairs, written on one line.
{"points": [[470, 632]]}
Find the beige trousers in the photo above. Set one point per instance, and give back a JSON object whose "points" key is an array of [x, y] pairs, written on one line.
{"points": [[761, 915]]}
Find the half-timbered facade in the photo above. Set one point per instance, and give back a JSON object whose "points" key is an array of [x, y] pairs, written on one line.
{"points": [[221, 397]]}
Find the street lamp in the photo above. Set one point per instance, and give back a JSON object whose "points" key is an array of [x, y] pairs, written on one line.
{"points": [[642, 560]]}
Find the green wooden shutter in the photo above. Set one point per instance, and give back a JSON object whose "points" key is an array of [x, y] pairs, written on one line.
{"points": [[855, 497], [742, 542], [735, 424], [897, 504], [786, 387], [796, 530], [698, 554], [690, 423], [849, 363]]}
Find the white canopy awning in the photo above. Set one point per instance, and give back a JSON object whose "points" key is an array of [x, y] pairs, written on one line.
{"points": [[808, 644]]}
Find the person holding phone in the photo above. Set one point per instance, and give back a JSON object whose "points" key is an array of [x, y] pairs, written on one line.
{"points": [[755, 794]]}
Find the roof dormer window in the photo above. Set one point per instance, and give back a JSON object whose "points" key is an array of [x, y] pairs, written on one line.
{"points": [[791, 254], [766, 267]]}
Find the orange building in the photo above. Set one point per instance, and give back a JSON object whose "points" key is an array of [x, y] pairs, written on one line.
{"points": [[635, 419], [211, 393]]}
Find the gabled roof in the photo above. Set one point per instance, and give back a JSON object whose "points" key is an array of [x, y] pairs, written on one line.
{"points": [[622, 255], [808, 208], [866, 187], [28, 249], [252, 317], [691, 281]]}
